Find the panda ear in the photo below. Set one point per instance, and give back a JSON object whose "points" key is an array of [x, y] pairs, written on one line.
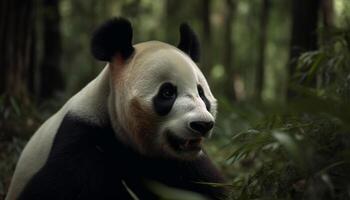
{"points": [[189, 42], [112, 37]]}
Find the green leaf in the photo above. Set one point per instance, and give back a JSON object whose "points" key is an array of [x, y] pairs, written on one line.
{"points": [[291, 147], [15, 106]]}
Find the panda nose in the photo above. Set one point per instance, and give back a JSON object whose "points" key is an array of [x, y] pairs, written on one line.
{"points": [[202, 127]]}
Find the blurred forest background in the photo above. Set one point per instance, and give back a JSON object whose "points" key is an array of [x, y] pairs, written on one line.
{"points": [[279, 68]]}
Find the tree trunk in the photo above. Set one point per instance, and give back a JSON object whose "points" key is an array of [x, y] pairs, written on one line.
{"points": [[304, 31], [51, 74], [3, 35], [16, 34], [304, 28], [229, 50], [328, 13], [260, 72], [32, 69], [327, 8], [206, 59]]}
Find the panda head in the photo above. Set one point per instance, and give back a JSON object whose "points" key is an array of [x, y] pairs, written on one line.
{"points": [[160, 103]]}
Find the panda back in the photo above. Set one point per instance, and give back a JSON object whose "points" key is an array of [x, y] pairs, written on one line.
{"points": [[90, 104], [34, 155]]}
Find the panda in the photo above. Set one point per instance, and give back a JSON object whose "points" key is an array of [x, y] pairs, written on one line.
{"points": [[142, 120]]}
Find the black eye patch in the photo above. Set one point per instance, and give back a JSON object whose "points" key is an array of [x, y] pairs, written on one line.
{"points": [[203, 97], [165, 99]]}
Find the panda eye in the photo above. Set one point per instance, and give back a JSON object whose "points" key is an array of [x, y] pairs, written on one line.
{"points": [[167, 91], [165, 99], [200, 91], [203, 97]]}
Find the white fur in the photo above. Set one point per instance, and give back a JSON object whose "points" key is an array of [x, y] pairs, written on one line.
{"points": [[100, 101], [153, 64]]}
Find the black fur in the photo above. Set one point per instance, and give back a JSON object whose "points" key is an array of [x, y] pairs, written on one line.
{"points": [[189, 42], [87, 162], [114, 36], [162, 104], [203, 97]]}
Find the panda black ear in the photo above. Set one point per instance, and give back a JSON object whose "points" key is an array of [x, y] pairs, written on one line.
{"points": [[114, 36], [189, 42]]}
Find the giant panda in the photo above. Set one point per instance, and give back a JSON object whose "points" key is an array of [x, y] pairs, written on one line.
{"points": [[143, 119]]}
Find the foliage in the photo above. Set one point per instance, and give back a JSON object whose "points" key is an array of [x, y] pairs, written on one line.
{"points": [[9, 154], [290, 156], [328, 67], [300, 150], [17, 122]]}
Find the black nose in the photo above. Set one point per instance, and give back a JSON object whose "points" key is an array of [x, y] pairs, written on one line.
{"points": [[201, 126]]}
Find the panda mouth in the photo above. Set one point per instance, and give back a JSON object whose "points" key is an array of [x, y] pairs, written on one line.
{"points": [[182, 144]]}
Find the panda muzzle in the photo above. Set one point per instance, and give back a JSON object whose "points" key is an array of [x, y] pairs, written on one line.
{"points": [[183, 144]]}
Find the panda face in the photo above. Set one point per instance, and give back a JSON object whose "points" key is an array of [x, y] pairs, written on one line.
{"points": [[166, 101]]}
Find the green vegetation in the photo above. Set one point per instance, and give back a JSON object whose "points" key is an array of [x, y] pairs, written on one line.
{"points": [[300, 150]]}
